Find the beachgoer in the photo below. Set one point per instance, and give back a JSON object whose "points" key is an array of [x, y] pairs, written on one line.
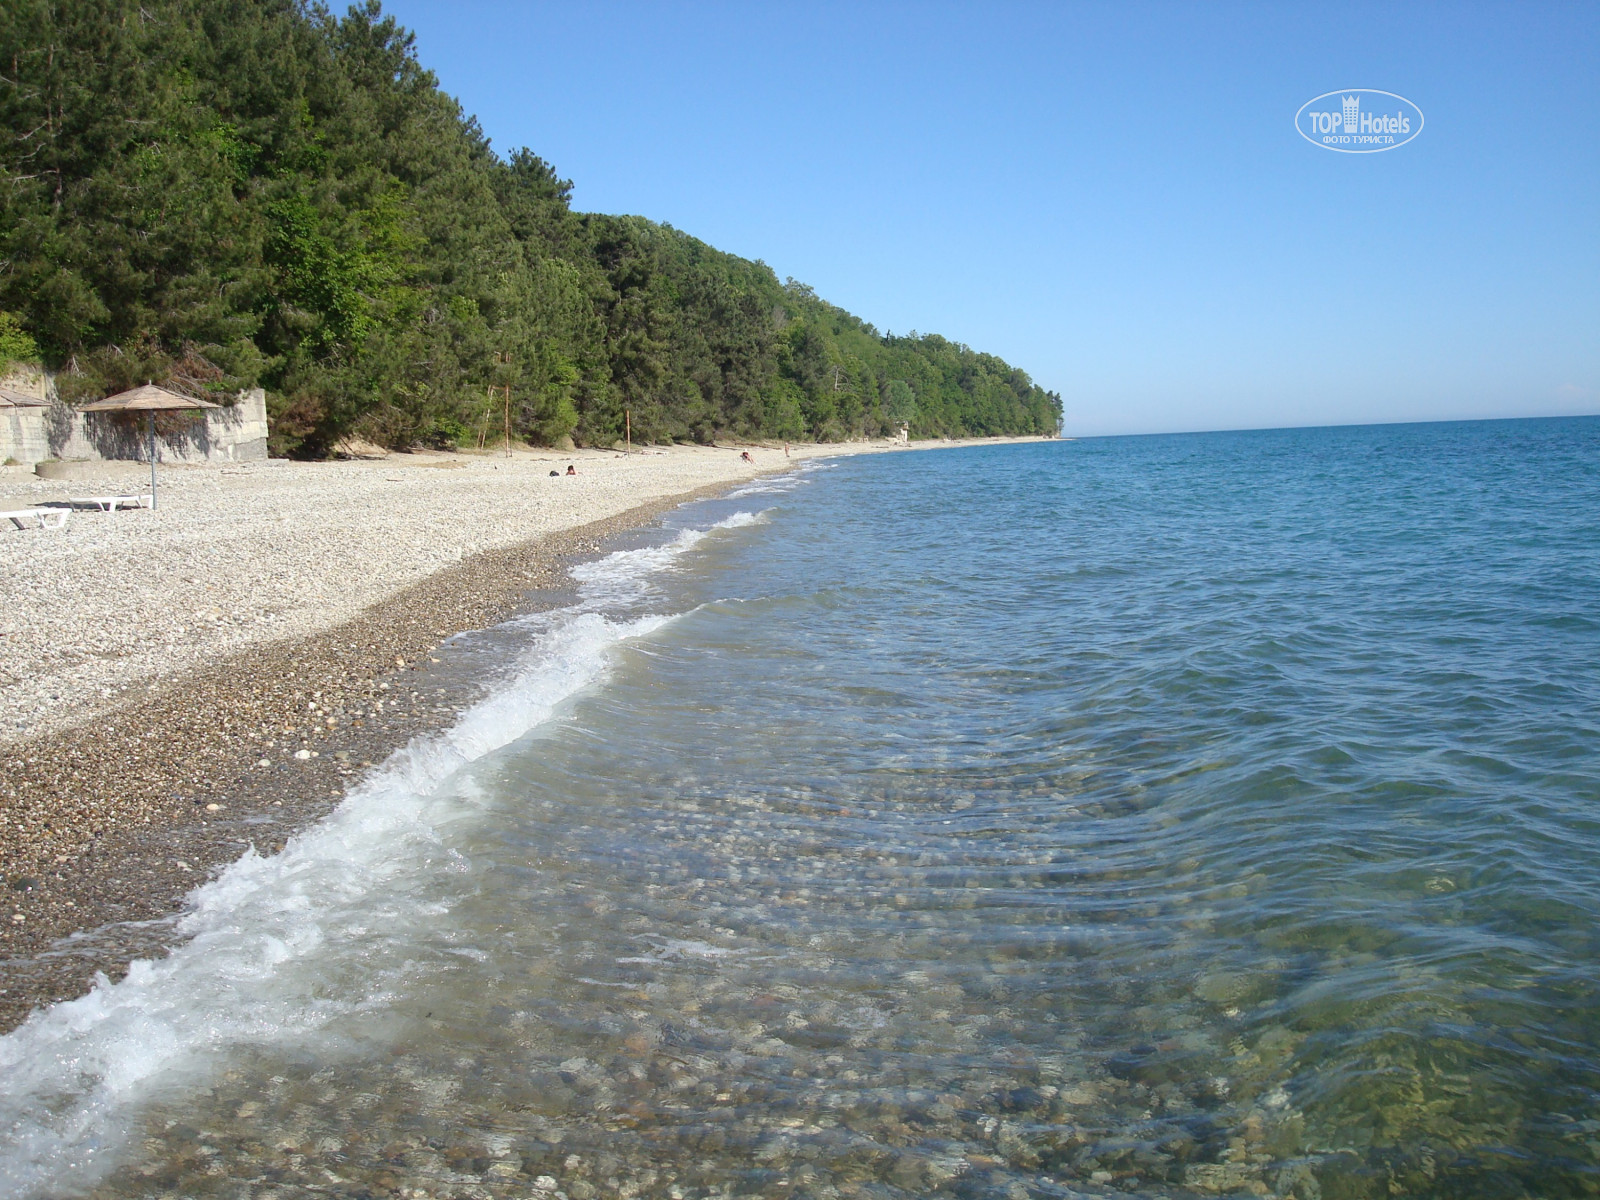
{"points": [[786, 449], [555, 474], [571, 470], [745, 454]]}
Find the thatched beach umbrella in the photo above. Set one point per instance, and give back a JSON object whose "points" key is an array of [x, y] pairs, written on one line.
{"points": [[149, 400], [10, 399]]}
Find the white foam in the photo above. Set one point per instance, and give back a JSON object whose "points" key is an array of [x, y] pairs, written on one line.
{"points": [[280, 948], [667, 949], [768, 487], [626, 577]]}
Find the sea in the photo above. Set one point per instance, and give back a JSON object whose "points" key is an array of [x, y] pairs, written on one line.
{"points": [[1172, 816]]}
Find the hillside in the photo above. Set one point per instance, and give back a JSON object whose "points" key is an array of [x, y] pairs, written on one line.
{"points": [[218, 194]]}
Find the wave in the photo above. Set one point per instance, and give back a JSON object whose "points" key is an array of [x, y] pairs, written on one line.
{"points": [[278, 949], [627, 577]]}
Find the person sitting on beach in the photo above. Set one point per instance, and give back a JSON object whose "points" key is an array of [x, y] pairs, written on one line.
{"points": [[571, 470], [745, 454]]}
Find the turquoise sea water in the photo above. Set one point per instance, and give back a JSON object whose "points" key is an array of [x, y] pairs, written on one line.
{"points": [[1201, 815]]}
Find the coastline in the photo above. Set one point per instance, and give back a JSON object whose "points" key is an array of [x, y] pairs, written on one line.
{"points": [[105, 827]]}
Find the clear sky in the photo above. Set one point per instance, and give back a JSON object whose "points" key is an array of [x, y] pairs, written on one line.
{"points": [[1111, 196]]}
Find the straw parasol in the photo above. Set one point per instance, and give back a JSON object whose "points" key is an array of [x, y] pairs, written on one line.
{"points": [[149, 400], [11, 399]]}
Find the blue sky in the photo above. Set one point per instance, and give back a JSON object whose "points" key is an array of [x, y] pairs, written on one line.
{"points": [[1111, 196]]}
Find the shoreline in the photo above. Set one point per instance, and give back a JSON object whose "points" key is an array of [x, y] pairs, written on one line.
{"points": [[104, 829]]}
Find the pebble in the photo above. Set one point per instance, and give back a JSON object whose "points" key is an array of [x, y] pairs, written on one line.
{"points": [[275, 550], [78, 803], [732, 1021]]}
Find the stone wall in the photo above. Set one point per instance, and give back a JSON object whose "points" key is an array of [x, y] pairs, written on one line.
{"points": [[235, 433]]}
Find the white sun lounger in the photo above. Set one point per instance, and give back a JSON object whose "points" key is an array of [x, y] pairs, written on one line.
{"points": [[112, 503], [43, 518]]}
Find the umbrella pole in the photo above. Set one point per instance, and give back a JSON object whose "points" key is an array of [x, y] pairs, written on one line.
{"points": [[150, 424]]}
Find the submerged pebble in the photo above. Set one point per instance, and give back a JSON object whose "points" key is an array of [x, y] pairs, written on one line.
{"points": [[962, 857]]}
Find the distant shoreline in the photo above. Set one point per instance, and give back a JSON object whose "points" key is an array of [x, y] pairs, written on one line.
{"points": [[104, 824]]}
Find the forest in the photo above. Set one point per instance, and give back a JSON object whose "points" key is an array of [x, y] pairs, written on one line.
{"points": [[220, 194]]}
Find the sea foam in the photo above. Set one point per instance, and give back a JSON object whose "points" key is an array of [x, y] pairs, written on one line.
{"points": [[277, 949], [627, 577]]}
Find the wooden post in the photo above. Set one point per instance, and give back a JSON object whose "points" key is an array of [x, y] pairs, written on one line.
{"points": [[627, 422], [508, 420], [150, 428]]}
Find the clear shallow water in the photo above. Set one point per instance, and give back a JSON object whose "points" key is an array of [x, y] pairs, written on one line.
{"points": [[1169, 816]]}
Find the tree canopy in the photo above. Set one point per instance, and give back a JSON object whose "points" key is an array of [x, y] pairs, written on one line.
{"points": [[241, 193]]}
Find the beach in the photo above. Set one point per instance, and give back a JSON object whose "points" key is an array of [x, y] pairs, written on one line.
{"points": [[179, 686], [1152, 816], [246, 555]]}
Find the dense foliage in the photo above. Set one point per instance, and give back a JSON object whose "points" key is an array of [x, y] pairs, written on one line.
{"points": [[222, 193]]}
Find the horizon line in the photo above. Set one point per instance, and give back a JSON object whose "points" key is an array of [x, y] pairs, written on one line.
{"points": [[1064, 435]]}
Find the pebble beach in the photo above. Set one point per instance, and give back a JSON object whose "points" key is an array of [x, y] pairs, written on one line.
{"points": [[182, 685], [823, 837], [245, 555]]}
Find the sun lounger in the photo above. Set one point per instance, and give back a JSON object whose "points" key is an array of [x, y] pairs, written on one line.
{"points": [[43, 518], [112, 503]]}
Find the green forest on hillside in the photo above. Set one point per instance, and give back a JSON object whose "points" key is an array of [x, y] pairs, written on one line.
{"points": [[219, 194]]}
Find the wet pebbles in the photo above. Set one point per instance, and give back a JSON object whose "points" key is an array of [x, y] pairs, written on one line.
{"points": [[105, 827]]}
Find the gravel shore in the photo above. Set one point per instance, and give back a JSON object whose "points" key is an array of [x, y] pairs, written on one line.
{"points": [[177, 686], [241, 556]]}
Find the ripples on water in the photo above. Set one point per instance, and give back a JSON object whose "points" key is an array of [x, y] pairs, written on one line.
{"points": [[1170, 816]]}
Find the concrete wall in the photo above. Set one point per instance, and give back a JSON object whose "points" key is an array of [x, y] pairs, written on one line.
{"points": [[23, 435], [25, 432], [235, 433]]}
